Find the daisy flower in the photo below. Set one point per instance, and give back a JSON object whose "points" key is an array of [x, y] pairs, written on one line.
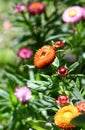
{"points": [[81, 106], [23, 94], [25, 53], [72, 14], [36, 8], [64, 115], [44, 56], [19, 8], [62, 100]]}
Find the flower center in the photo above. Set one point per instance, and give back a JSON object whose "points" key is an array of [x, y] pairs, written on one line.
{"points": [[43, 54], [67, 114], [36, 6], [72, 12]]}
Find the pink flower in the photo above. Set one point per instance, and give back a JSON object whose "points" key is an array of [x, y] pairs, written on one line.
{"points": [[83, 9], [36, 8], [72, 14], [25, 53], [62, 100], [19, 8], [23, 94]]}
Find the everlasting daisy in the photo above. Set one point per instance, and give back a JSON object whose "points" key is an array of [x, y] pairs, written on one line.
{"points": [[63, 117], [81, 106], [25, 53], [19, 8], [36, 8], [62, 100], [72, 14], [23, 94], [44, 56]]}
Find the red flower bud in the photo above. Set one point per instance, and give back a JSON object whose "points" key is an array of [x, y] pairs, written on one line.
{"points": [[62, 100], [62, 71], [58, 44]]}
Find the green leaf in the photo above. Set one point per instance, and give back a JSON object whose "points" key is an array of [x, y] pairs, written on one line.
{"points": [[73, 66], [4, 94], [57, 36], [56, 62], [77, 94], [39, 125], [79, 120]]}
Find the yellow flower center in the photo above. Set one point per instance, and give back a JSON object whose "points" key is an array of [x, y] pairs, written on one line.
{"points": [[67, 114], [72, 12], [36, 6]]}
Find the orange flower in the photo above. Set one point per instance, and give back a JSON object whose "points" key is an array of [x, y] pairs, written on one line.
{"points": [[44, 56], [81, 106], [63, 117]]}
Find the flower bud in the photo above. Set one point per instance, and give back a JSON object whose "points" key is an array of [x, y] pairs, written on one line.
{"points": [[62, 71]]}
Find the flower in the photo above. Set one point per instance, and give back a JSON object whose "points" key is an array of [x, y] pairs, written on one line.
{"points": [[72, 14], [62, 100], [19, 8], [58, 44], [64, 115], [23, 94], [36, 8], [62, 71], [44, 56], [7, 25], [83, 9], [25, 53], [81, 106]]}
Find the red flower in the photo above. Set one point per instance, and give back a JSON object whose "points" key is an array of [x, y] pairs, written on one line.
{"points": [[25, 53], [36, 8], [81, 106], [44, 56], [62, 100], [62, 71], [58, 44]]}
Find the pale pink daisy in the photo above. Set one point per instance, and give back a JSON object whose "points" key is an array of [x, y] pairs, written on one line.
{"points": [[72, 14], [25, 53], [23, 94]]}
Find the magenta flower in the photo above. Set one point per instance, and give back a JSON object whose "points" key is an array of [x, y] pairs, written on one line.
{"points": [[23, 94], [72, 14], [19, 8], [36, 8], [25, 53]]}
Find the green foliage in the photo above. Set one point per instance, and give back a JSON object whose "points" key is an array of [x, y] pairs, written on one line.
{"points": [[35, 31]]}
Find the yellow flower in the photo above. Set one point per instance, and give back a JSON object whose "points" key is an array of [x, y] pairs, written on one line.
{"points": [[63, 117]]}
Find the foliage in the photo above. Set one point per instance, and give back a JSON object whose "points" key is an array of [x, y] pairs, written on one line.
{"points": [[35, 31]]}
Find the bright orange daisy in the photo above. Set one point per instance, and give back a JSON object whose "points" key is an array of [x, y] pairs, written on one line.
{"points": [[63, 117], [44, 56]]}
